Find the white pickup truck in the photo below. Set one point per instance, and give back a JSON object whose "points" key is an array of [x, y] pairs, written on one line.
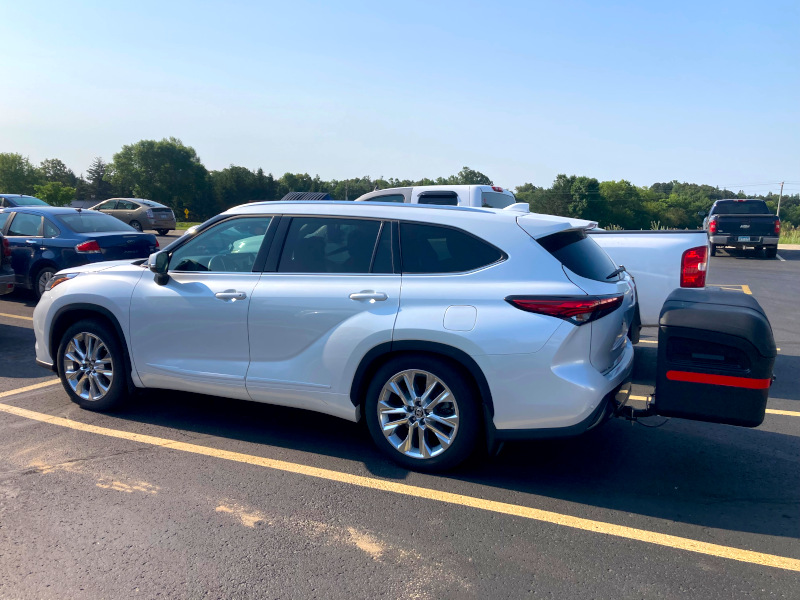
{"points": [[659, 261]]}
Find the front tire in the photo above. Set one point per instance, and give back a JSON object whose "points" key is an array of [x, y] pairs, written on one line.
{"points": [[422, 414], [136, 225], [91, 365]]}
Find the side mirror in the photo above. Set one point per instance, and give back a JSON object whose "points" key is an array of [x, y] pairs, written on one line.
{"points": [[159, 263]]}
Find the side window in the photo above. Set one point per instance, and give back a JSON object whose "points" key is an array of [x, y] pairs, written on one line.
{"points": [[26, 225], [389, 198], [4, 219], [125, 205], [107, 205], [441, 198], [436, 249], [329, 245], [3, 203], [229, 247], [50, 230]]}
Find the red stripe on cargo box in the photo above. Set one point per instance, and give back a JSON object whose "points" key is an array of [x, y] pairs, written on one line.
{"points": [[726, 380]]}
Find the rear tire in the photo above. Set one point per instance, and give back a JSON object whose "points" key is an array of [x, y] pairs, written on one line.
{"points": [[40, 281], [162, 231], [770, 251], [433, 423], [713, 249], [136, 225], [92, 366]]}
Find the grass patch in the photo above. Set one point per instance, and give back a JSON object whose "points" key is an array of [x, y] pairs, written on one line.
{"points": [[186, 224], [790, 235]]}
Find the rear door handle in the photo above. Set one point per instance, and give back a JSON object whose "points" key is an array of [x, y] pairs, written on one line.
{"points": [[230, 295], [369, 295]]}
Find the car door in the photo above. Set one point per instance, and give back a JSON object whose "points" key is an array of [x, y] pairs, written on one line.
{"points": [[324, 300], [24, 235], [191, 333], [126, 211]]}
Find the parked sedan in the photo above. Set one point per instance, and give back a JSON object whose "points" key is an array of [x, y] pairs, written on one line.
{"points": [[140, 214], [7, 278], [7, 200], [44, 240]]}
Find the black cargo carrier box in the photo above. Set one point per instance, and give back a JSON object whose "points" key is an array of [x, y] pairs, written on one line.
{"points": [[716, 353]]}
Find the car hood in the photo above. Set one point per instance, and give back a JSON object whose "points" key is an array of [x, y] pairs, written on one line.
{"points": [[110, 264]]}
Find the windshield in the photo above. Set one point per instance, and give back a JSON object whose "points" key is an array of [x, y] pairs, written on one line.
{"points": [[92, 222], [28, 201], [749, 207], [151, 203]]}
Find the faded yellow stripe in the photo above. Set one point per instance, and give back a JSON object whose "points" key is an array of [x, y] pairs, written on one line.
{"points": [[28, 388], [787, 413], [16, 316], [525, 512]]}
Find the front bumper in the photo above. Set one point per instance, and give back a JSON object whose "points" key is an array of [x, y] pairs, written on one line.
{"points": [[733, 240]]}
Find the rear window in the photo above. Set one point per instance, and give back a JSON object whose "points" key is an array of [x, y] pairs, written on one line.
{"points": [[441, 198], [388, 198], [29, 201], [750, 207], [580, 254], [94, 222], [436, 249], [496, 200]]}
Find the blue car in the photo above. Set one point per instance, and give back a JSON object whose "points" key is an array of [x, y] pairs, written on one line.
{"points": [[46, 239], [7, 200]]}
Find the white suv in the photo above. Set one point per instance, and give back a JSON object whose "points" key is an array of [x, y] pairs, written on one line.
{"points": [[439, 326]]}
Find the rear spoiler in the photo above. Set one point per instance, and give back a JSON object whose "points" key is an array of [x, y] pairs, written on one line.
{"points": [[538, 225]]}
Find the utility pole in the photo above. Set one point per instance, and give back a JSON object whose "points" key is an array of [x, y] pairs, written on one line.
{"points": [[779, 201]]}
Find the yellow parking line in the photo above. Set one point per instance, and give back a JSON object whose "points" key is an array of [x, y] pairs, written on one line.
{"points": [[525, 512], [732, 287], [746, 290], [648, 341], [16, 316], [28, 388]]}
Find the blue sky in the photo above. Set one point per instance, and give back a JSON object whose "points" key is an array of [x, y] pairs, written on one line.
{"points": [[707, 92]]}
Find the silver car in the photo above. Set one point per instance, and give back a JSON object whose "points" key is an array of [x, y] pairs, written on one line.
{"points": [[140, 214]]}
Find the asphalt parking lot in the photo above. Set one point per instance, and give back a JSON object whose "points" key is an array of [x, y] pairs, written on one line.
{"points": [[182, 495]]}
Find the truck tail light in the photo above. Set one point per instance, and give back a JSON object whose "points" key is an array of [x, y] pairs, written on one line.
{"points": [[90, 247], [712, 225], [777, 226], [6, 248], [693, 267], [497, 188], [575, 309]]}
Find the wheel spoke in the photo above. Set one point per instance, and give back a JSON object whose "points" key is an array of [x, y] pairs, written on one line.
{"points": [[388, 428], [423, 446], [73, 374], [76, 345], [443, 397], [444, 440], [430, 384], [406, 446], [99, 383], [396, 389], [451, 421]]}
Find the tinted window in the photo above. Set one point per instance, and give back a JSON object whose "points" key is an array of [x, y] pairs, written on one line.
{"points": [[3, 219], [151, 204], [24, 224], [230, 247], [324, 245], [436, 249], [496, 200], [580, 254], [106, 205], [388, 198], [441, 198], [50, 230], [29, 201], [93, 222], [751, 207], [125, 205]]}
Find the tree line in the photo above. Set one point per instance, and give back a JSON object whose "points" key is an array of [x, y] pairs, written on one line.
{"points": [[172, 173]]}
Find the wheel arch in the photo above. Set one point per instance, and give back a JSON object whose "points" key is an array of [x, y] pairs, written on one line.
{"points": [[381, 354], [40, 264]]}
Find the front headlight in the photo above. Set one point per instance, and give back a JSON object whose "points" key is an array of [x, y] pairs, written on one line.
{"points": [[58, 279]]}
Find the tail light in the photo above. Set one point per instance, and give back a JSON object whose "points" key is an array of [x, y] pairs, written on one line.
{"points": [[497, 188], [777, 226], [712, 225], [157, 245], [575, 309], [150, 212], [693, 267], [90, 247], [6, 248]]}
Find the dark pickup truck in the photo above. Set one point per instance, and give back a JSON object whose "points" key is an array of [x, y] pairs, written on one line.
{"points": [[741, 224]]}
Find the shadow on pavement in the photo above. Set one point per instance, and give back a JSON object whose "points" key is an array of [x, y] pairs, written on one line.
{"points": [[702, 474], [16, 351]]}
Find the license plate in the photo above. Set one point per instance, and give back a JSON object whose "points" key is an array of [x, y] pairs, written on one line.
{"points": [[744, 238]]}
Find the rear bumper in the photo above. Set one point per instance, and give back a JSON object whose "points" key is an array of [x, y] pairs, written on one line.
{"points": [[7, 281], [161, 224], [733, 240]]}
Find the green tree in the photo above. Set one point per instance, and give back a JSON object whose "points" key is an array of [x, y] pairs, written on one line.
{"points": [[17, 174], [53, 169], [166, 171], [55, 193], [97, 187]]}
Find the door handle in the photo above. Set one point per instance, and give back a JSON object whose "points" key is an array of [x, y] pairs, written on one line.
{"points": [[369, 295], [230, 295]]}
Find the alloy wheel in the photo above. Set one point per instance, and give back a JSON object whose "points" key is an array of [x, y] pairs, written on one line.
{"points": [[418, 414], [88, 366]]}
